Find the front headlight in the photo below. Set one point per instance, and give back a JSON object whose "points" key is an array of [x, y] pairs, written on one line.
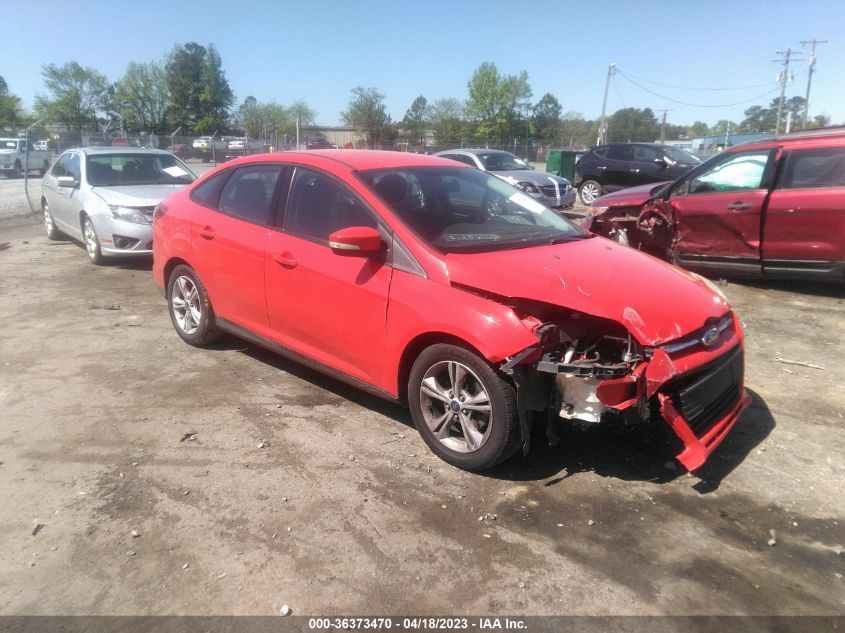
{"points": [[596, 210], [528, 187], [128, 214]]}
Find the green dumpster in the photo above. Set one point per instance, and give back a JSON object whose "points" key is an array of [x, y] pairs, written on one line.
{"points": [[561, 162]]}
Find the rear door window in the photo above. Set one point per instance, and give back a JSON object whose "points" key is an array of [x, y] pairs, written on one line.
{"points": [[248, 194], [814, 169], [621, 152]]}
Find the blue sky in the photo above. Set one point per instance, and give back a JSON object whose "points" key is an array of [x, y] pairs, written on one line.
{"points": [[319, 50]]}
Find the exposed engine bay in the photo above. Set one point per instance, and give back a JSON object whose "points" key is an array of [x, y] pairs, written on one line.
{"points": [[587, 370]]}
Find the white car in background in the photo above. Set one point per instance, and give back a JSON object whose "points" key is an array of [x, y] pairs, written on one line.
{"points": [[105, 197], [14, 153]]}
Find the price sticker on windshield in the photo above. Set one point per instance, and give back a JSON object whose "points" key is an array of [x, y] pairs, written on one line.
{"points": [[527, 202]]}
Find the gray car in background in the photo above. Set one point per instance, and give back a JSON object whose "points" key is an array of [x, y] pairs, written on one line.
{"points": [[105, 197], [552, 190]]}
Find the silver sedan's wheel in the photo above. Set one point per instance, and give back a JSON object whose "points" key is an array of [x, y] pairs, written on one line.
{"points": [[49, 225], [456, 406], [92, 242], [589, 191], [185, 303]]}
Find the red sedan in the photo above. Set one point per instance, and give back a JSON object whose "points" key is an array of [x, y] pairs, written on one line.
{"points": [[443, 287]]}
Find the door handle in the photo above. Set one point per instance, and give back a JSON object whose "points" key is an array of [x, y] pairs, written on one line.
{"points": [[207, 232], [634, 171], [738, 206], [601, 167], [285, 259]]}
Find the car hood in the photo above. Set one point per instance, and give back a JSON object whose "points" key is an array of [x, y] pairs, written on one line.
{"points": [[529, 175], [655, 301], [136, 195], [630, 196]]}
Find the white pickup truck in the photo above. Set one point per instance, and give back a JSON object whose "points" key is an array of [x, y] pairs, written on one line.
{"points": [[13, 155]]}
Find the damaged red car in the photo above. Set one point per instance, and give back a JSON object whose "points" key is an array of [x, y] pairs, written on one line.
{"points": [[447, 289], [772, 209]]}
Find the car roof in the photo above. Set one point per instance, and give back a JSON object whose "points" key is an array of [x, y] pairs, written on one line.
{"points": [[356, 159], [93, 151], [821, 137], [476, 151]]}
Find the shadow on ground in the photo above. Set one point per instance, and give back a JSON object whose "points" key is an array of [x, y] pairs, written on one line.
{"points": [[635, 453]]}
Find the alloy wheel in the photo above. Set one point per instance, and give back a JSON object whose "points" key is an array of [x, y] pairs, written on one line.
{"points": [[456, 406], [91, 244], [185, 303]]}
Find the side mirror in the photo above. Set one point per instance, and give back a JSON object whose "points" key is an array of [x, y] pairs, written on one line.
{"points": [[356, 240], [67, 181], [660, 161]]}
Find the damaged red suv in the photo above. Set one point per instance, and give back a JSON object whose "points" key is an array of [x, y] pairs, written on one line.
{"points": [[445, 288]]}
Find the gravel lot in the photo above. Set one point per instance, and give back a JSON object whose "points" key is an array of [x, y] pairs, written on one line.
{"points": [[344, 510]]}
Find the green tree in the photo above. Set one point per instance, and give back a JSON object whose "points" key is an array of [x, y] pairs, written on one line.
{"points": [[722, 127], [498, 103], [546, 123], [216, 96], [698, 129], [77, 95], [448, 121], [417, 121], [368, 115], [11, 113], [307, 117], [200, 96], [632, 124], [142, 98]]}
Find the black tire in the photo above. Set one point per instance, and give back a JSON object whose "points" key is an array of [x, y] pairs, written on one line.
{"points": [[49, 224], [589, 191], [92, 242], [18, 173], [45, 166], [206, 331], [501, 431]]}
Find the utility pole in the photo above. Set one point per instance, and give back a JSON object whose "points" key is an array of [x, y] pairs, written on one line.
{"points": [[787, 56], [603, 122], [811, 62], [663, 125]]}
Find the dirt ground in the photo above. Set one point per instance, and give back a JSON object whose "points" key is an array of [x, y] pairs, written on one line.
{"points": [[344, 510]]}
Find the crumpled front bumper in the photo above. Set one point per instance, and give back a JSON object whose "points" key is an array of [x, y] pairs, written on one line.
{"points": [[698, 449]]}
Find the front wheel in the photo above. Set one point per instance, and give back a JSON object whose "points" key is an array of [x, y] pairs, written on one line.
{"points": [[49, 225], [18, 172], [92, 242], [190, 308], [463, 409], [589, 191]]}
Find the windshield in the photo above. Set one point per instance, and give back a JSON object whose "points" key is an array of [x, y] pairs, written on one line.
{"points": [[681, 156], [111, 170], [502, 161], [459, 209], [8, 143]]}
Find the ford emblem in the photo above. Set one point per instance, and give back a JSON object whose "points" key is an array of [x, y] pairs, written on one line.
{"points": [[710, 337]]}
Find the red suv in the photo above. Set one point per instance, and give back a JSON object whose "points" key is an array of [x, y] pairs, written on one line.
{"points": [[773, 208], [444, 287]]}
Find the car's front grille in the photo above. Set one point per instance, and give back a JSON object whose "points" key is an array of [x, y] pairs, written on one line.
{"points": [[706, 397], [549, 190]]}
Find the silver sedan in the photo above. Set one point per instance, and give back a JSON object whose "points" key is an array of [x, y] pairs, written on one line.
{"points": [[554, 191], [105, 197]]}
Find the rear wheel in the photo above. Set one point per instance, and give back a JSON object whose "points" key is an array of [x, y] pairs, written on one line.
{"points": [[18, 172], [463, 409], [190, 308], [589, 191]]}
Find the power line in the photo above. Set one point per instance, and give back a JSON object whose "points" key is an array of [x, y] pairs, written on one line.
{"points": [[648, 81], [696, 105]]}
